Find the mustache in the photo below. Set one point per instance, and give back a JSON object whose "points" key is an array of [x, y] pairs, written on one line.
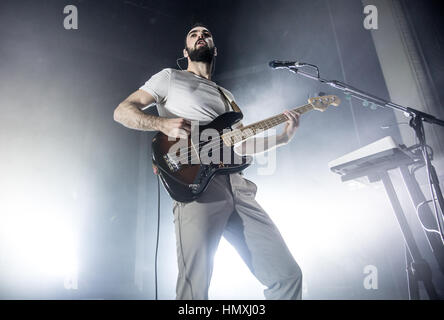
{"points": [[200, 49]]}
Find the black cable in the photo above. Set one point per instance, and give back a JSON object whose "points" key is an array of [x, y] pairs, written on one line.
{"points": [[157, 238]]}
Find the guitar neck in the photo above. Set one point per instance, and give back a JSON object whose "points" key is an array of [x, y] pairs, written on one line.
{"points": [[251, 130]]}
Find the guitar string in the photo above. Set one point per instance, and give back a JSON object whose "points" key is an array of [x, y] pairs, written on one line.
{"points": [[276, 120], [236, 134], [279, 119], [233, 134], [302, 110]]}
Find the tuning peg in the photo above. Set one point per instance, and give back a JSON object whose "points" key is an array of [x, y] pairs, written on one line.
{"points": [[373, 106], [365, 103], [347, 96]]}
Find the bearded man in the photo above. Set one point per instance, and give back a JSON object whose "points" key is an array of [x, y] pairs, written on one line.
{"points": [[227, 207]]}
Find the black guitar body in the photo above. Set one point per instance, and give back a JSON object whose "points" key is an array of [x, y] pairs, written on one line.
{"points": [[185, 179]]}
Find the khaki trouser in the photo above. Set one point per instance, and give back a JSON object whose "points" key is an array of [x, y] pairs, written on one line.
{"points": [[228, 207]]}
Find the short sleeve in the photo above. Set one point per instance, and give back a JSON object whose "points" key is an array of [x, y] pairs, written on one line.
{"points": [[158, 85]]}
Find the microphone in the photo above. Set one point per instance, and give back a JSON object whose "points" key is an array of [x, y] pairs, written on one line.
{"points": [[276, 64]]}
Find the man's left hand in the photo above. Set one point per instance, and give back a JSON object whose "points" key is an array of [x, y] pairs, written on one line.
{"points": [[290, 126]]}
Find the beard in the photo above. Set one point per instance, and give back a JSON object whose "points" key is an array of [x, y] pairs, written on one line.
{"points": [[202, 54]]}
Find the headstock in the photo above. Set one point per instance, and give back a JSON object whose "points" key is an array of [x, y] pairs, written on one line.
{"points": [[323, 102]]}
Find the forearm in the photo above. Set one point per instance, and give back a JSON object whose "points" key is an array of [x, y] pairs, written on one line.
{"points": [[129, 115], [259, 145]]}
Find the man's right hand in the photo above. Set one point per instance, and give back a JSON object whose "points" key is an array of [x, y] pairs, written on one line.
{"points": [[176, 127]]}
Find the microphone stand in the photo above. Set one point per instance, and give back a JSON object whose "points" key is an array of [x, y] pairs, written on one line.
{"points": [[417, 119]]}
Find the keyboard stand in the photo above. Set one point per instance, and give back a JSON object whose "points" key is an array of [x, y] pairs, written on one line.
{"points": [[417, 267]]}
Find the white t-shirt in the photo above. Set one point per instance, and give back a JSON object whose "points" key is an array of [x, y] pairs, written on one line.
{"points": [[182, 94]]}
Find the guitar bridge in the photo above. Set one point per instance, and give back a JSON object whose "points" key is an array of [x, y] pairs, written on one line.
{"points": [[172, 164]]}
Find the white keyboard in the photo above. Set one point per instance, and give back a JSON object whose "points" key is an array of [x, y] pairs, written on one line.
{"points": [[384, 154]]}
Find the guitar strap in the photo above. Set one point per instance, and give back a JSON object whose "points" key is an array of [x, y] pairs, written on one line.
{"points": [[233, 104]]}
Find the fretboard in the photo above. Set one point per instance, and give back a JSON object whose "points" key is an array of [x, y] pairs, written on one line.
{"points": [[251, 130]]}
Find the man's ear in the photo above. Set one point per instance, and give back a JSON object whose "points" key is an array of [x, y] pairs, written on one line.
{"points": [[215, 51], [185, 53]]}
